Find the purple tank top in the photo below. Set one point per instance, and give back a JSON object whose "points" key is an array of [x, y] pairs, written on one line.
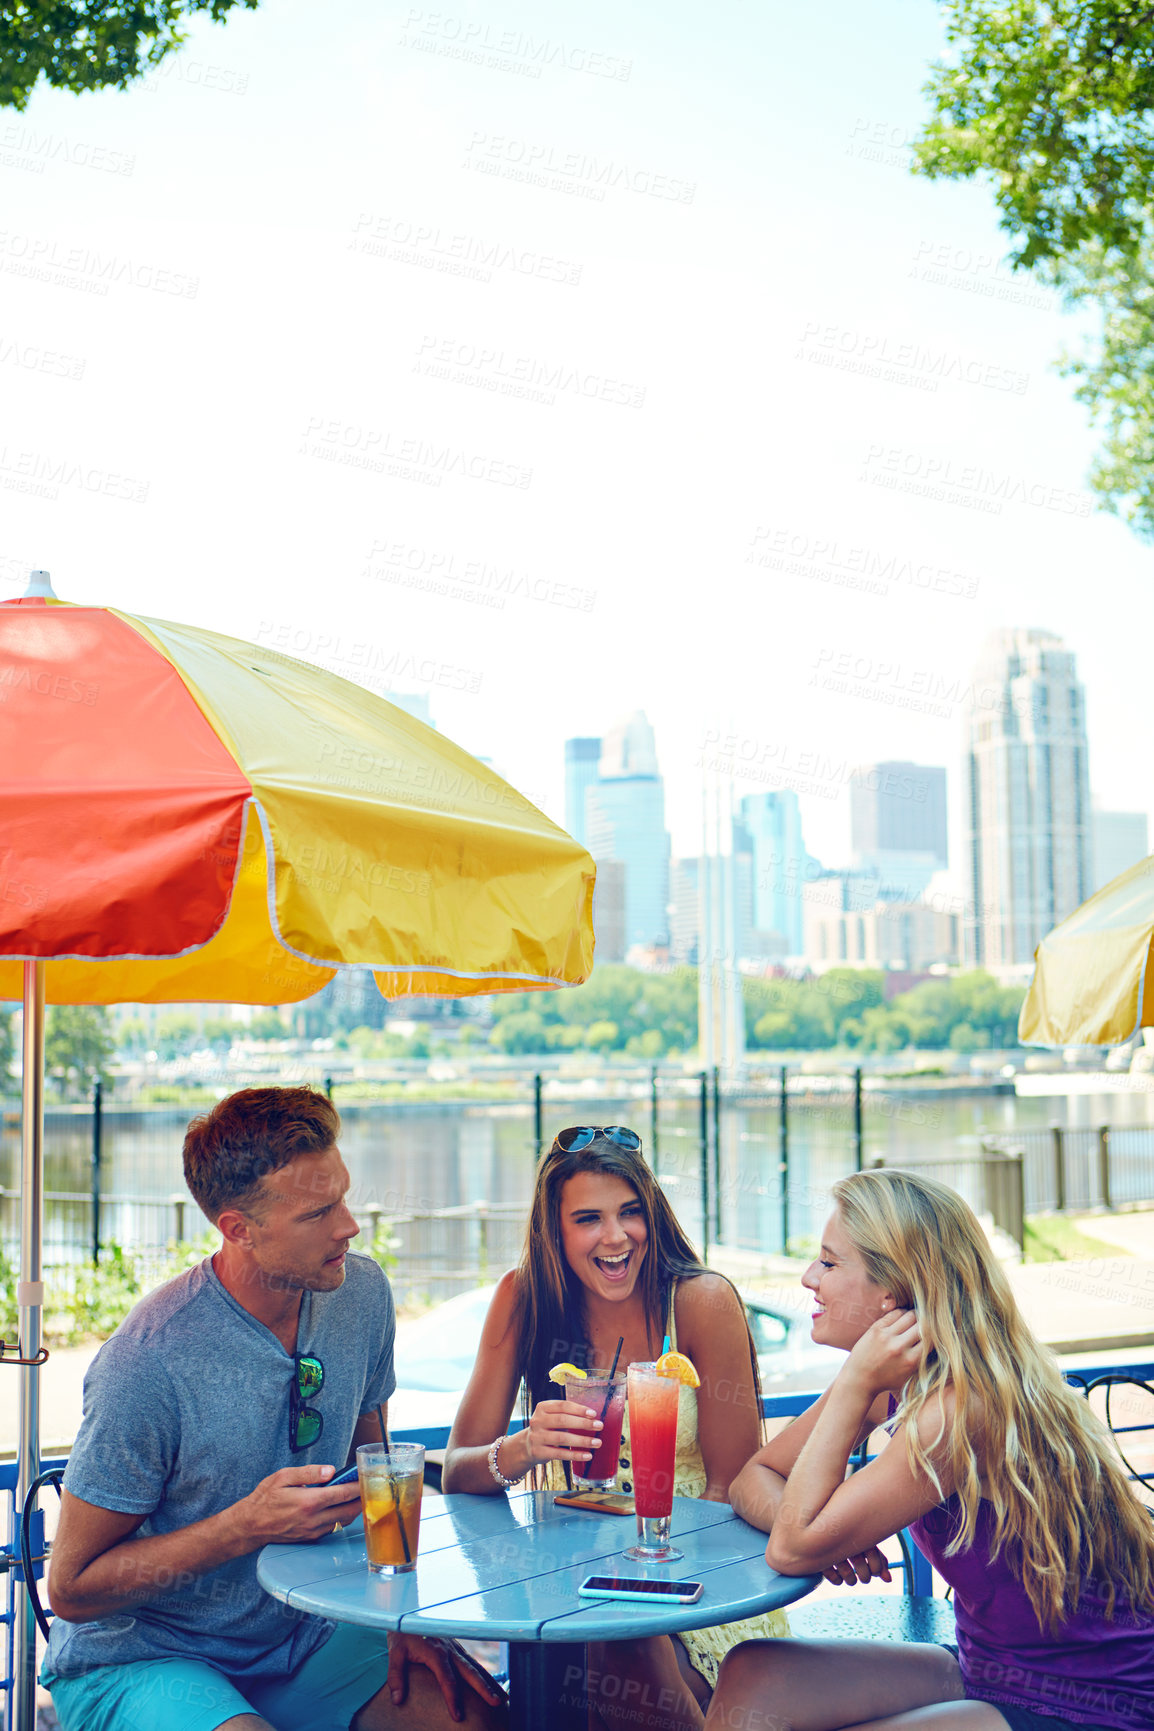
{"points": [[1091, 1671]]}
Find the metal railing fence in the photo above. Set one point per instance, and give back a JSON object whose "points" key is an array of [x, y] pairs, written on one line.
{"points": [[1063, 1168], [746, 1165]]}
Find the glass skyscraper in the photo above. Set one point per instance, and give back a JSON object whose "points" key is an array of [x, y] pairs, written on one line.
{"points": [[770, 829], [581, 759], [1027, 802], [625, 820]]}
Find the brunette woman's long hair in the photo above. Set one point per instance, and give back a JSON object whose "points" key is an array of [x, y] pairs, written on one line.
{"points": [[1062, 1505], [550, 1317]]}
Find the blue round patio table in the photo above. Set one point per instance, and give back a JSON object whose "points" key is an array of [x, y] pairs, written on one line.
{"points": [[508, 1569]]}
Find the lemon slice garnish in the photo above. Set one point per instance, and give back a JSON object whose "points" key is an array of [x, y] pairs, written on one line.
{"points": [[675, 1364], [563, 1373]]}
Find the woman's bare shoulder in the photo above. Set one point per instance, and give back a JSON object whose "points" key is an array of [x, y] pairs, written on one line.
{"points": [[502, 1311], [706, 1297]]}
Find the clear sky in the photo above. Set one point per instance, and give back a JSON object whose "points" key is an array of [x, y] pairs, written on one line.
{"points": [[560, 360]]}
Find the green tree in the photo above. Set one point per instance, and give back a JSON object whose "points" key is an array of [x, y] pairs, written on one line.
{"points": [[218, 1033], [602, 1036], [636, 1004], [177, 1032], [132, 1035], [1052, 101], [91, 44], [78, 1044], [7, 1048], [267, 1025], [523, 1031]]}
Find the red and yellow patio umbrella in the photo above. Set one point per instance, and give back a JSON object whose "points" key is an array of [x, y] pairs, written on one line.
{"points": [[190, 817], [185, 817]]}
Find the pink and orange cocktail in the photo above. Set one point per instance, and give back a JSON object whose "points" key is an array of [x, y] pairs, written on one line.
{"points": [[653, 1402]]}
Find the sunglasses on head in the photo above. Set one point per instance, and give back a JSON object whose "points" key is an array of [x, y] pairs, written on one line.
{"points": [[305, 1422], [580, 1136]]}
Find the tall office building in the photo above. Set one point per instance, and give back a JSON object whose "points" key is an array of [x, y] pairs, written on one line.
{"points": [[581, 759], [684, 912], [1120, 841], [898, 825], [769, 829], [625, 820], [1027, 796]]}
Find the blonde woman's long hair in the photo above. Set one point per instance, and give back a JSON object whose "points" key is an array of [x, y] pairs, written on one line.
{"points": [[1063, 1508]]}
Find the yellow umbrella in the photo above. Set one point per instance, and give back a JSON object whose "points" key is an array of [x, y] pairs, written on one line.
{"points": [[1093, 982]]}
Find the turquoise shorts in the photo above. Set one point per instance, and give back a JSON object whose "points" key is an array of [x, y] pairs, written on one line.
{"points": [[324, 1694]]}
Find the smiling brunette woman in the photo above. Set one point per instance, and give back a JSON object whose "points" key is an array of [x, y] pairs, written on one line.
{"points": [[605, 1260]]}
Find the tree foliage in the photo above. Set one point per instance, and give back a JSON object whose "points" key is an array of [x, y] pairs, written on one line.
{"points": [[847, 1008], [618, 1009], [644, 1015], [78, 1044], [1053, 103], [91, 44]]}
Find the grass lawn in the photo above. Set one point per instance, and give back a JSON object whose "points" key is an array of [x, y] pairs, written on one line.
{"points": [[1050, 1238]]}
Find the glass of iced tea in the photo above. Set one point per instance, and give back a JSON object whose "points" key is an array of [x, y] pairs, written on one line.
{"points": [[391, 1481], [606, 1396], [653, 1446]]}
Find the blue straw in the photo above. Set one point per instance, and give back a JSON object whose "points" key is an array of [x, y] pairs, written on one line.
{"points": [[665, 1347]]}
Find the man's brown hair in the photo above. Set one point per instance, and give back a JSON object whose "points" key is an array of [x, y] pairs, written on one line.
{"points": [[228, 1151]]}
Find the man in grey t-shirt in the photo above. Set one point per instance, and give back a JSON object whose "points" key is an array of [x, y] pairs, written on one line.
{"points": [[214, 1419]]}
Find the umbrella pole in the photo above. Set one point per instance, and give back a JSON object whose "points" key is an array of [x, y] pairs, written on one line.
{"points": [[30, 1302]]}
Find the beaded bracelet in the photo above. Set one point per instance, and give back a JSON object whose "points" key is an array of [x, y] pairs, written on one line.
{"points": [[505, 1484]]}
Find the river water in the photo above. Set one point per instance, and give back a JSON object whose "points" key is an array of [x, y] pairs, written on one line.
{"points": [[410, 1158]]}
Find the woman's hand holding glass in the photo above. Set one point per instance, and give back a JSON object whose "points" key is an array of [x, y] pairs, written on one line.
{"points": [[562, 1430]]}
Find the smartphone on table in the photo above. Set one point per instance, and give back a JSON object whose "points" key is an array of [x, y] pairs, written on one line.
{"points": [[633, 1587]]}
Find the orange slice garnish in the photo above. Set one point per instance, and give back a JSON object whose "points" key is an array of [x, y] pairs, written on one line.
{"points": [[682, 1369]]}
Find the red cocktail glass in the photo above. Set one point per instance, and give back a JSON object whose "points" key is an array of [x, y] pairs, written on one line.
{"points": [[601, 1472], [653, 1444]]}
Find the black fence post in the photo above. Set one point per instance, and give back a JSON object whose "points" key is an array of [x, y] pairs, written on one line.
{"points": [[653, 1119], [97, 1154], [783, 1161], [538, 1120], [703, 1112], [858, 1137], [716, 1154], [1059, 1167]]}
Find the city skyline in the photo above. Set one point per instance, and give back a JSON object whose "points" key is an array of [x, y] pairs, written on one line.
{"points": [[1034, 849], [581, 436]]}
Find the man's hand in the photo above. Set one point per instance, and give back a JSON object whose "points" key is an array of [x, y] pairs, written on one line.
{"points": [[450, 1665], [297, 1503], [867, 1566]]}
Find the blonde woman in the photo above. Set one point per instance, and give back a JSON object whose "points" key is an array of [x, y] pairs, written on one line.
{"points": [[1009, 1482], [605, 1260]]}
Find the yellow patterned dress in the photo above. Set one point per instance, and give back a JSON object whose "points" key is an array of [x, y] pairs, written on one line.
{"points": [[706, 1647]]}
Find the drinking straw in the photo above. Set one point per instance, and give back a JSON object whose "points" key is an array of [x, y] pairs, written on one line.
{"points": [[665, 1346], [612, 1369], [393, 1488]]}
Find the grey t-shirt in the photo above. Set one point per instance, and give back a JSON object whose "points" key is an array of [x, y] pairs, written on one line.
{"points": [[186, 1409]]}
